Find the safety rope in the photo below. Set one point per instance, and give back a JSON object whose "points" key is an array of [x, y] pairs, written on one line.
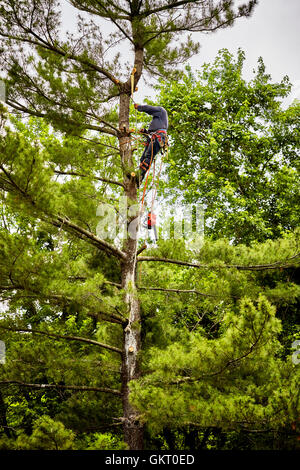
{"points": [[147, 176], [155, 184], [157, 181]]}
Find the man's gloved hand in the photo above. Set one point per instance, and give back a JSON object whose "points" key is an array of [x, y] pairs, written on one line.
{"points": [[135, 105]]}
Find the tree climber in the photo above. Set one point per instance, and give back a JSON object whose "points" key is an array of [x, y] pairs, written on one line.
{"points": [[156, 137]]}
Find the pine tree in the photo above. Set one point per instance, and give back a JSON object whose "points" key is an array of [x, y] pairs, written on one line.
{"points": [[71, 85]]}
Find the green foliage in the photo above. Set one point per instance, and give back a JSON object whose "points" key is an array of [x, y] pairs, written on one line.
{"points": [[235, 150], [47, 434], [106, 441], [235, 381], [218, 360]]}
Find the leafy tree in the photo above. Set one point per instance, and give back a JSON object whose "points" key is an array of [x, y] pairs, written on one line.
{"points": [[235, 149]]}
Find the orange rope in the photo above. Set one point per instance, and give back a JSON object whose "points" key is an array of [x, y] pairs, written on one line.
{"points": [[157, 182], [156, 186], [146, 182]]}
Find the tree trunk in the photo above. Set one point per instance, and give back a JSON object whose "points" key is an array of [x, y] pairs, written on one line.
{"points": [[133, 429]]}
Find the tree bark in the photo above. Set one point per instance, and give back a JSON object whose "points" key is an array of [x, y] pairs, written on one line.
{"points": [[133, 429]]}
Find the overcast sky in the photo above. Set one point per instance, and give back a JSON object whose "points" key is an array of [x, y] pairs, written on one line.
{"points": [[272, 32]]}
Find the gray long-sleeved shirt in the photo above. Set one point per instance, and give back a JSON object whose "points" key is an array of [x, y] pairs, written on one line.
{"points": [[159, 116]]}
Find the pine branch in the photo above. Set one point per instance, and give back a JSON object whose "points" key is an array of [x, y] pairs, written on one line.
{"points": [[67, 337], [34, 293], [40, 42], [65, 223], [195, 24], [221, 7], [169, 6], [177, 291], [32, 112], [228, 363], [180, 29], [77, 388], [259, 267], [100, 315], [61, 104], [106, 13], [84, 278], [73, 173], [92, 141], [80, 232]]}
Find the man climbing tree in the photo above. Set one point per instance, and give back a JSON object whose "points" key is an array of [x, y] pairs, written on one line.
{"points": [[68, 81], [156, 137]]}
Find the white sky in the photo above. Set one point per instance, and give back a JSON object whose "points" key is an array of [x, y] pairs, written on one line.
{"points": [[272, 32]]}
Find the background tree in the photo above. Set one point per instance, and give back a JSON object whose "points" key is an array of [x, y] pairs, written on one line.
{"points": [[235, 149]]}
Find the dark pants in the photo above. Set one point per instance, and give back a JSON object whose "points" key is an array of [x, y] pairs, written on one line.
{"points": [[152, 148]]}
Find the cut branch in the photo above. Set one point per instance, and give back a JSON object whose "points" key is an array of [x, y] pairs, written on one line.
{"points": [[140, 250]]}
